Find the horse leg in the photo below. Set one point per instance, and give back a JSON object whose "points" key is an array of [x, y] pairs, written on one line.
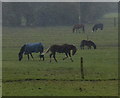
{"points": [[32, 56], [83, 47], [70, 56], [54, 57], [42, 56], [66, 56], [96, 29], [50, 56], [28, 56], [73, 30], [76, 30], [90, 47]]}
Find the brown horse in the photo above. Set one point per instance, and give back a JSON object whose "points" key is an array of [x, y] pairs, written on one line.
{"points": [[65, 48], [77, 27]]}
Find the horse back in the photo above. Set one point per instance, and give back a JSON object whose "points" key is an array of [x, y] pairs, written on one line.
{"points": [[98, 25], [78, 26], [61, 48], [34, 47], [57, 48]]}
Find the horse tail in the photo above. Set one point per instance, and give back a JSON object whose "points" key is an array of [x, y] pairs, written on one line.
{"points": [[73, 29], [74, 49], [81, 45], [83, 42], [48, 49]]}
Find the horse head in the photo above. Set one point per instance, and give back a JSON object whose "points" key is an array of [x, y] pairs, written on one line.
{"points": [[20, 55], [94, 46], [74, 49]]}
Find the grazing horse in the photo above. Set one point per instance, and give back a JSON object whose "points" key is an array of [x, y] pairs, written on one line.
{"points": [[97, 26], [78, 27], [65, 48], [29, 49], [87, 43]]}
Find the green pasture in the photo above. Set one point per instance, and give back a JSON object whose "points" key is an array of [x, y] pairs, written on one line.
{"points": [[42, 78]]}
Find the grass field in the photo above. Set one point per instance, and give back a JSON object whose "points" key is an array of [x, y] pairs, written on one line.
{"points": [[38, 78]]}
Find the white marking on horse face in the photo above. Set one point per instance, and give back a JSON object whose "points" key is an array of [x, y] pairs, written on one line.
{"points": [[92, 31]]}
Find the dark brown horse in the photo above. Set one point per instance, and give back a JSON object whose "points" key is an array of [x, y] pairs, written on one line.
{"points": [[77, 27], [88, 44], [97, 26], [65, 48]]}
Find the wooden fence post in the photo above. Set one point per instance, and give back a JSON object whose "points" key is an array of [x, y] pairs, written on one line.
{"points": [[82, 71]]}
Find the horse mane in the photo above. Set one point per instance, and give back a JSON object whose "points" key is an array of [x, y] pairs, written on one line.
{"points": [[22, 49], [87, 43], [74, 49], [92, 43]]}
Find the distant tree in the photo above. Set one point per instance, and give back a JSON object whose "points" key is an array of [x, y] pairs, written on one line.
{"points": [[10, 17], [53, 13], [91, 11], [14, 12]]}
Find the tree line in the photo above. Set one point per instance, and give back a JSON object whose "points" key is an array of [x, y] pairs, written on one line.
{"points": [[53, 13]]}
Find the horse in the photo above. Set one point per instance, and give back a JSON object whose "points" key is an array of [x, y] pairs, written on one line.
{"points": [[87, 43], [65, 48], [78, 27], [97, 26], [31, 48]]}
